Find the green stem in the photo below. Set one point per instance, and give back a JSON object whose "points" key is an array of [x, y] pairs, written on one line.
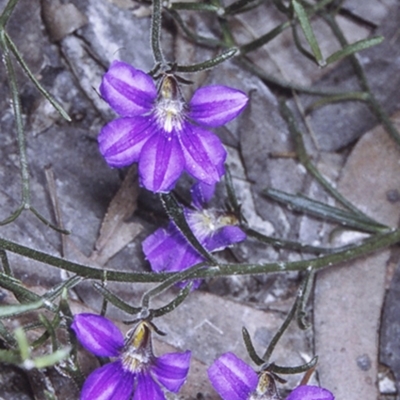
{"points": [[370, 245], [6, 14], [281, 331], [193, 6], [226, 55], [156, 22], [16, 104]]}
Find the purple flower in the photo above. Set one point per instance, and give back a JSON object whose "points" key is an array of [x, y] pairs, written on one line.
{"points": [[160, 131], [136, 371], [233, 379], [168, 250]]}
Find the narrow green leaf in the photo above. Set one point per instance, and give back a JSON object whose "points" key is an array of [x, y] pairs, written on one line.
{"points": [[316, 208], [293, 370], [308, 32], [32, 77], [194, 6], [115, 300], [11, 310], [354, 47], [10, 356], [57, 290], [51, 359], [250, 348], [225, 55], [23, 344], [174, 303]]}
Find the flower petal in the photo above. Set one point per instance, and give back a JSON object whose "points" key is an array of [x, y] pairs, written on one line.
{"points": [[110, 382], [161, 162], [167, 250], [147, 389], [232, 378], [216, 105], [171, 370], [310, 393], [122, 140], [201, 194], [224, 238], [204, 154], [129, 91], [98, 334]]}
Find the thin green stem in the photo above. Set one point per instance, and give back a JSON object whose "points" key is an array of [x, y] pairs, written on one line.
{"points": [[281, 331], [370, 245], [292, 245], [5, 263], [16, 104], [156, 21], [6, 14], [32, 77], [159, 312], [264, 39], [225, 55], [194, 6], [172, 280]]}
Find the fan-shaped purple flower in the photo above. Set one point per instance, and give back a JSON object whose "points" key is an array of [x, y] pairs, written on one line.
{"points": [[167, 248], [136, 371], [233, 379], [161, 132]]}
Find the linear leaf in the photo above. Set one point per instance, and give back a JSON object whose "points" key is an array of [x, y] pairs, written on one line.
{"points": [[354, 47], [308, 32], [316, 208]]}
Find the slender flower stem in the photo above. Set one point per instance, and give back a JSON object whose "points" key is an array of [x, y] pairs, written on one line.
{"points": [[172, 280], [156, 22], [370, 245], [277, 369], [192, 6], [6, 14], [226, 55], [241, 6], [281, 331], [5, 263], [11, 45], [255, 44], [250, 347], [16, 104]]}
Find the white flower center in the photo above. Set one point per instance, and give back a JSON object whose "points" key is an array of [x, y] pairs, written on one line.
{"points": [[169, 114], [133, 361], [206, 222]]}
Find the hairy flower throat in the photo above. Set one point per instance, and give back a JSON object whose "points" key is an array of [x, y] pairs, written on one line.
{"points": [[169, 109]]}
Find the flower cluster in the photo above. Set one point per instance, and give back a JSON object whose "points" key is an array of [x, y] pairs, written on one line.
{"points": [[168, 250], [139, 375], [161, 132], [136, 371]]}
